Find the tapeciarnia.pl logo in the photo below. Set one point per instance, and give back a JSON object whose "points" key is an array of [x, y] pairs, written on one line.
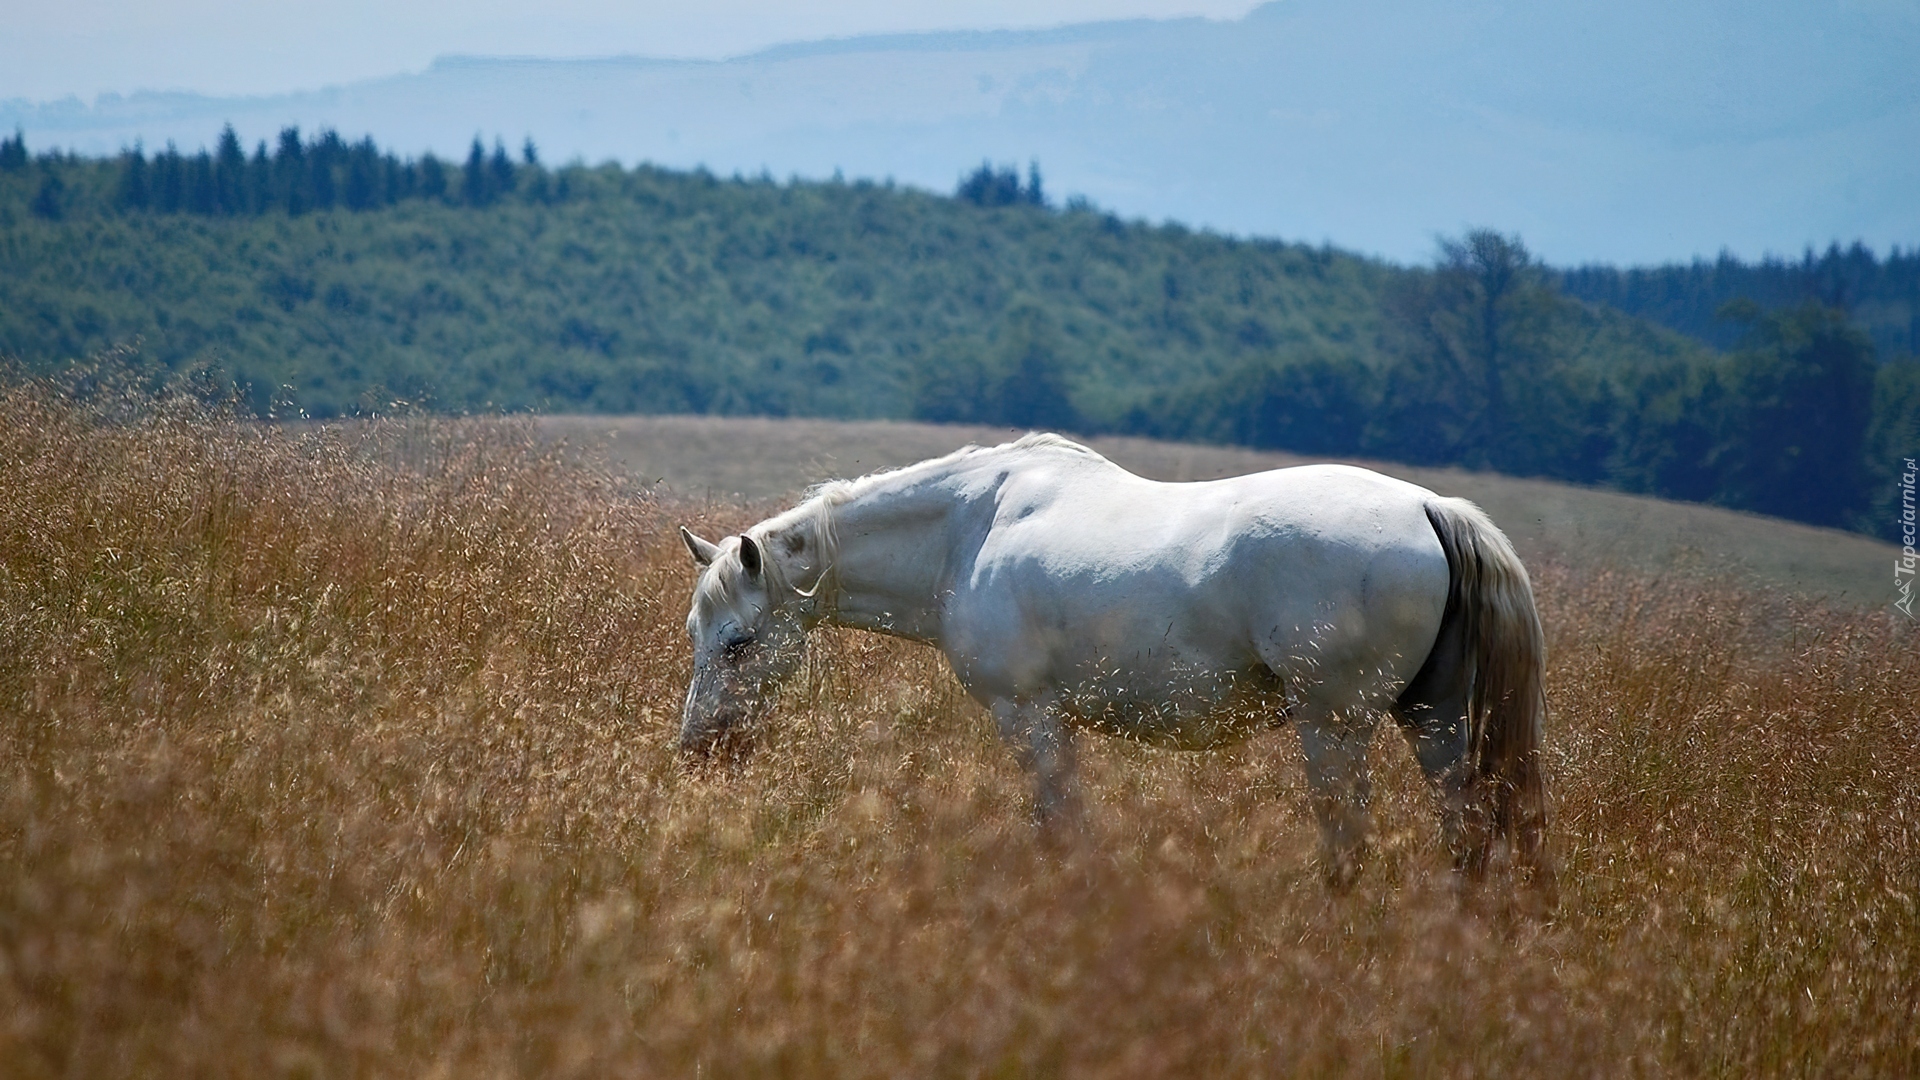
{"points": [[1903, 567]]}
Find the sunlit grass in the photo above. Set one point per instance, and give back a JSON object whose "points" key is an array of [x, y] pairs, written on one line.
{"points": [[350, 753]]}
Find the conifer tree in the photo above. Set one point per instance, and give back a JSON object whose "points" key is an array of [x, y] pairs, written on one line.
{"points": [[987, 186], [1802, 397], [473, 186], [433, 177], [13, 152], [290, 174], [536, 185], [50, 201], [133, 193], [363, 175], [499, 171], [170, 182], [397, 180], [320, 173], [202, 195], [230, 173], [325, 153], [260, 180]]}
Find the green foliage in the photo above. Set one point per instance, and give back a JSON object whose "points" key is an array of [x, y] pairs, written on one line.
{"points": [[1016, 376], [326, 278], [50, 202], [988, 186], [1881, 295], [1479, 363], [1801, 396], [645, 290], [13, 152], [1669, 432], [1477, 339], [1321, 402], [1893, 435], [1781, 426], [230, 173], [473, 179]]}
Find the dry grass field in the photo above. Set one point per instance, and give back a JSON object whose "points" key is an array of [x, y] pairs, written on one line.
{"points": [[340, 755]]}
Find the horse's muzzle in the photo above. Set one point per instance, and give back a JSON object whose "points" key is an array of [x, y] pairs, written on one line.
{"points": [[723, 746], [715, 725]]}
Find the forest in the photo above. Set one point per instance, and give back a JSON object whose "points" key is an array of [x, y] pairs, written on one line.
{"points": [[321, 277], [1882, 296]]}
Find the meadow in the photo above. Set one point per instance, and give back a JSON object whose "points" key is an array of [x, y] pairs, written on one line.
{"points": [[348, 752]]}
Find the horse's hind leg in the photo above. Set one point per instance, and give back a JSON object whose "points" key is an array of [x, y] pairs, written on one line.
{"points": [[1438, 736], [1043, 745], [1432, 714], [1336, 751]]}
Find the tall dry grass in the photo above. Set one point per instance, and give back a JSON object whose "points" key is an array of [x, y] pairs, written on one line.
{"points": [[349, 754]]}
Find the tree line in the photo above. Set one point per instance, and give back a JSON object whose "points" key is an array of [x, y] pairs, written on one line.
{"points": [[1881, 295], [1000, 186], [329, 277], [1799, 418], [299, 175]]}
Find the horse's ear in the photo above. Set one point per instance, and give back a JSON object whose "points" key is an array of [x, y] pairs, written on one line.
{"points": [[703, 552], [750, 555]]}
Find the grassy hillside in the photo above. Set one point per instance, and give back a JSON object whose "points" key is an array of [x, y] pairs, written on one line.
{"points": [[327, 279], [656, 291], [649, 290], [329, 762]]}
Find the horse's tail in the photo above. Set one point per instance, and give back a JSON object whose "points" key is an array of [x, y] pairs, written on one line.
{"points": [[1491, 599]]}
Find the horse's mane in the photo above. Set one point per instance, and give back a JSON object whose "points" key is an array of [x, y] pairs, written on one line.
{"points": [[834, 492], [1033, 440], [817, 505], [724, 589]]}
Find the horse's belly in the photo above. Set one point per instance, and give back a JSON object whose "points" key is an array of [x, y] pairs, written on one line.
{"points": [[1193, 713]]}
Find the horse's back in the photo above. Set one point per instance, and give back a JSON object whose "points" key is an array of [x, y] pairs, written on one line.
{"points": [[1087, 566], [1335, 517]]}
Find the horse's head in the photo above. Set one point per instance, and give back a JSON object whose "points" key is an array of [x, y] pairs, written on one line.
{"points": [[748, 633]]}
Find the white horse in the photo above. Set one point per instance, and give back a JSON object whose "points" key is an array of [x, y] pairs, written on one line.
{"points": [[1067, 592]]}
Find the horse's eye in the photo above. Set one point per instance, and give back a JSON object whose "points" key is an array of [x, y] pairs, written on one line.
{"points": [[733, 651]]}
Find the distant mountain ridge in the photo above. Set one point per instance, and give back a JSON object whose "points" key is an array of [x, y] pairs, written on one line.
{"points": [[1644, 132]]}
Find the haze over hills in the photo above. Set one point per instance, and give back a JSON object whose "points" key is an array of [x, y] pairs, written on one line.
{"points": [[1639, 133]]}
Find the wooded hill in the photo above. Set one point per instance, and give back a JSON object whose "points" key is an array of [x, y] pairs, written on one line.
{"points": [[1881, 296], [327, 277]]}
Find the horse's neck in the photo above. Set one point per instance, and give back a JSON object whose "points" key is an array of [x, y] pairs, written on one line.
{"points": [[894, 543]]}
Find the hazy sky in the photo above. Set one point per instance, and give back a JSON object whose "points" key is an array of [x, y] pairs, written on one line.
{"points": [[54, 48]]}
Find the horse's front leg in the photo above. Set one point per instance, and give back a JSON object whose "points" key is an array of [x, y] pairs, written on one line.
{"points": [[1336, 751], [1043, 744]]}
